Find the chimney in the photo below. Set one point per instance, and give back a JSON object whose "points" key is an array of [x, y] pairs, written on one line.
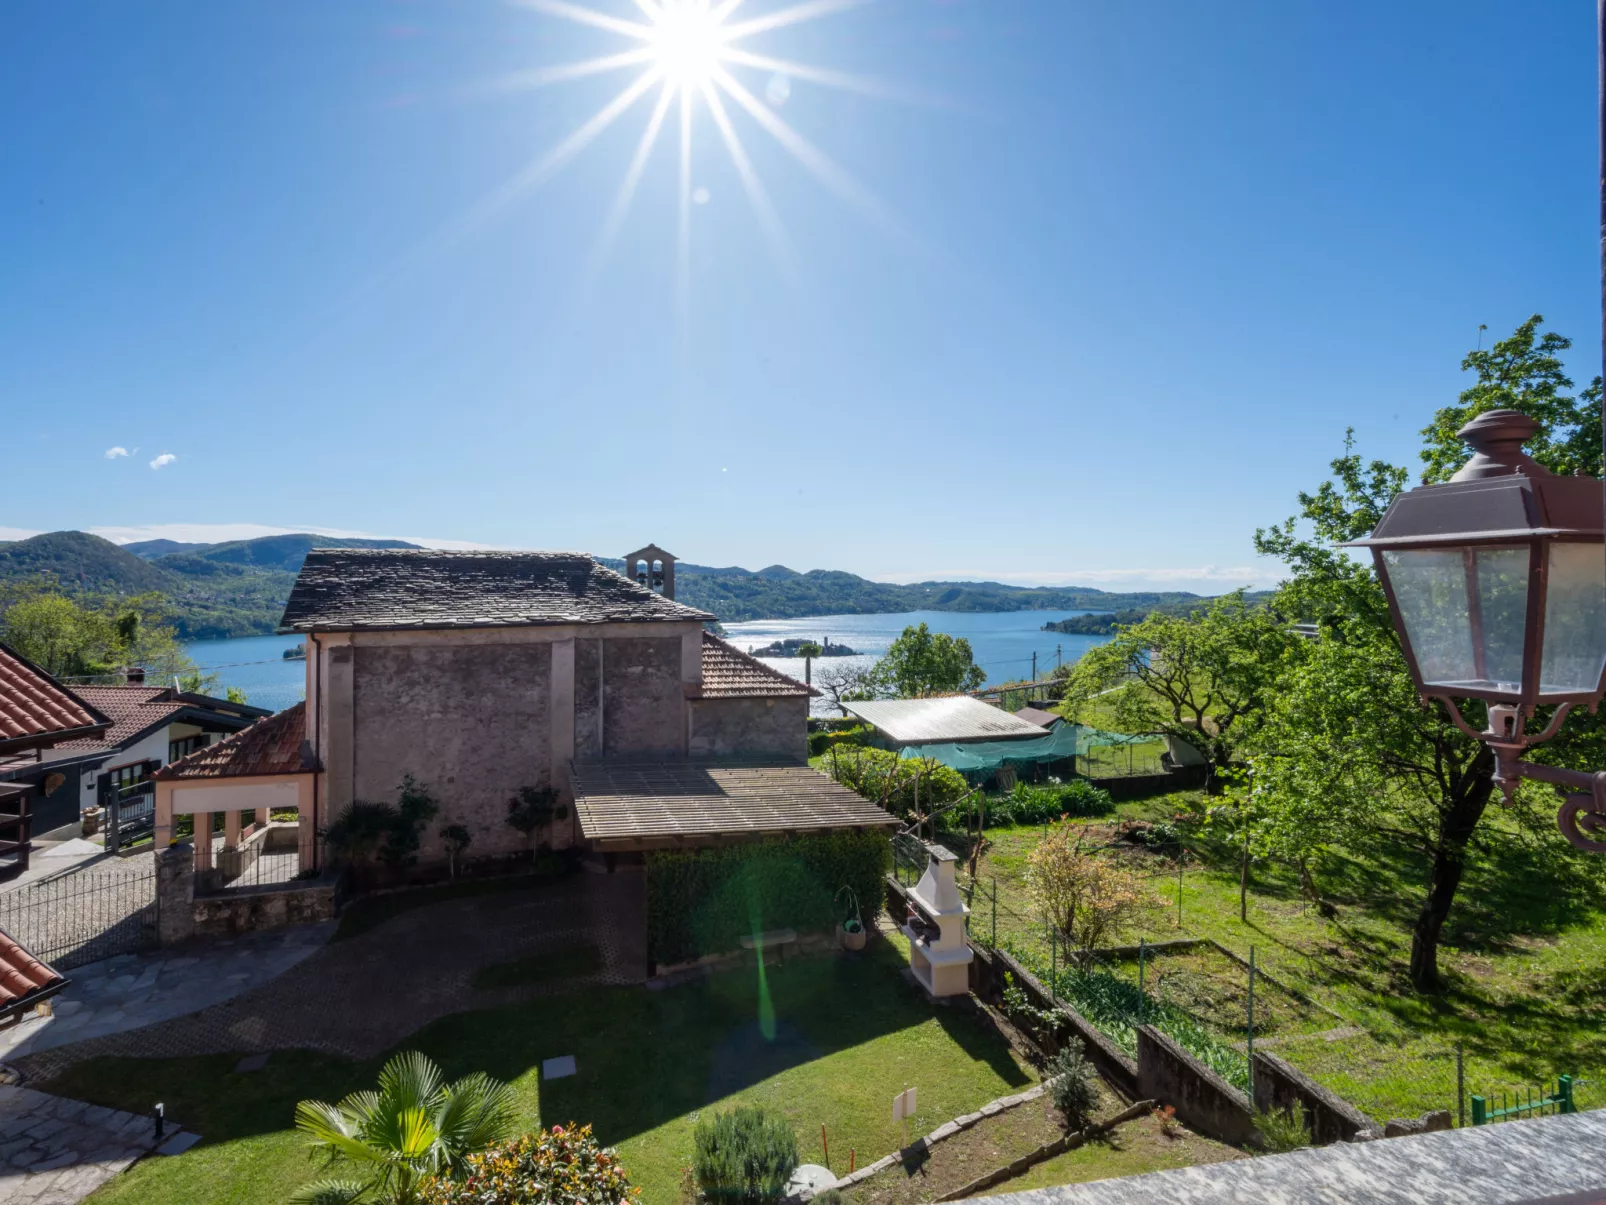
{"points": [[134, 675], [653, 568]]}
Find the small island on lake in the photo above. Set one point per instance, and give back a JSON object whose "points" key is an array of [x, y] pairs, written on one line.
{"points": [[793, 648], [1095, 625], [299, 653]]}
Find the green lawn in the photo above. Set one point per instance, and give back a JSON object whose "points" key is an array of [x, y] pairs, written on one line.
{"points": [[1524, 956], [837, 1039]]}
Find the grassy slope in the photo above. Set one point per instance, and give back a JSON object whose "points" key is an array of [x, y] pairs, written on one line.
{"points": [[850, 1033], [1524, 956]]}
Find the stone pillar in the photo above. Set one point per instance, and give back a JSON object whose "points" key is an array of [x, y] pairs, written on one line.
{"points": [[162, 835], [306, 835], [203, 841], [175, 894], [340, 755], [231, 830]]}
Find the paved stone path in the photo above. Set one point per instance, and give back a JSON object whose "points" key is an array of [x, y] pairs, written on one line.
{"points": [[132, 991], [360, 997], [55, 1151]]}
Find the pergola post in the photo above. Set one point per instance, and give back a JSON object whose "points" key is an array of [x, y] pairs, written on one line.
{"points": [[231, 830], [203, 841]]}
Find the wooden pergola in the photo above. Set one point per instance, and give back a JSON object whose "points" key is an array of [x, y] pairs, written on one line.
{"points": [[624, 806]]}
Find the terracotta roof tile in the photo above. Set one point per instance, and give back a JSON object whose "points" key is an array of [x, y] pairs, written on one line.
{"points": [[276, 745], [24, 980], [357, 589], [35, 705], [729, 673], [136, 709]]}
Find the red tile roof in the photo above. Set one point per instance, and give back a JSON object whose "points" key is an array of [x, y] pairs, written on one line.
{"points": [[24, 980], [276, 745], [132, 709], [729, 673], [33, 705]]}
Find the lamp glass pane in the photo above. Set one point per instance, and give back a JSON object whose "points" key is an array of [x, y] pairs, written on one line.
{"points": [[1575, 620], [1465, 614]]}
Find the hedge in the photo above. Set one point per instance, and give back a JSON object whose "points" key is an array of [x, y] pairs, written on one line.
{"points": [[703, 901]]}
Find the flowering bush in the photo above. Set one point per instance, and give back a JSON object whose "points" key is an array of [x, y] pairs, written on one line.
{"points": [[560, 1166], [1084, 896]]}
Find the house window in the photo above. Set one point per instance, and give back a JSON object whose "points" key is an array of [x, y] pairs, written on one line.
{"points": [[185, 745], [127, 776]]}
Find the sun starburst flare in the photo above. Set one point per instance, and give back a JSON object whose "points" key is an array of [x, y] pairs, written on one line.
{"points": [[685, 51]]}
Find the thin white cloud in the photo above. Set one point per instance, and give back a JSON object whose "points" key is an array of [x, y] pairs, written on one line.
{"points": [[162, 461], [16, 533], [116, 453]]}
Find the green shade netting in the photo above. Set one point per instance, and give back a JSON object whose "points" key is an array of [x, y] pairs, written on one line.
{"points": [[982, 758]]}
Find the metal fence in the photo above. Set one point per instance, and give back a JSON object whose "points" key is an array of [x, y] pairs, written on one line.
{"points": [[1222, 1005], [84, 914], [272, 856]]}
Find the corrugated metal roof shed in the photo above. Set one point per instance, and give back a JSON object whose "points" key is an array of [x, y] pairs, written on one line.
{"points": [[953, 718], [640, 805]]}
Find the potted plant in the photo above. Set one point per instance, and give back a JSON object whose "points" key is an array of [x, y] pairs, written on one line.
{"points": [[850, 934]]}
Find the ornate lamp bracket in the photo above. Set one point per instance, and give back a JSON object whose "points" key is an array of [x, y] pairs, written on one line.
{"points": [[1582, 815]]}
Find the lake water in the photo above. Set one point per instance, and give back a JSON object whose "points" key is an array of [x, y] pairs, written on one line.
{"points": [[1002, 642]]}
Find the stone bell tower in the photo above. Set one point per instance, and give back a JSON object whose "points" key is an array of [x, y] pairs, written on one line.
{"points": [[652, 567]]}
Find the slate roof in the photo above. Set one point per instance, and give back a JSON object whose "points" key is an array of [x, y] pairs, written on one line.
{"points": [[729, 673], [949, 718], [276, 745], [375, 589], [24, 980], [688, 802], [36, 709], [1039, 716]]}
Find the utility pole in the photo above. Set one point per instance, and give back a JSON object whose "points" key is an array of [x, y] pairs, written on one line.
{"points": [[1058, 649], [1034, 665]]}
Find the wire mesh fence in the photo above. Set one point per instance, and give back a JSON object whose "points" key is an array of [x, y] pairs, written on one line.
{"points": [[1222, 1006]]}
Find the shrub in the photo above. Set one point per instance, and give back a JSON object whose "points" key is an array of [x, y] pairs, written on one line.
{"points": [[532, 809], [386, 831], [1281, 1131], [702, 901], [819, 742], [560, 1166], [1085, 897], [892, 782], [745, 1156], [1028, 804], [1073, 1084]]}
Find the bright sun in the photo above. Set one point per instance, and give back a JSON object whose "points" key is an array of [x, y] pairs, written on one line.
{"points": [[686, 40], [692, 55]]}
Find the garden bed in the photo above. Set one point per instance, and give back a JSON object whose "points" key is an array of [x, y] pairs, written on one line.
{"points": [[1138, 1145]]}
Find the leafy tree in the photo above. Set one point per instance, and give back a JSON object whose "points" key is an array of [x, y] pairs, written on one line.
{"points": [[388, 832], [1347, 752], [91, 636], [532, 809], [414, 1127], [846, 681], [1200, 678], [1073, 1084], [1522, 372], [921, 662]]}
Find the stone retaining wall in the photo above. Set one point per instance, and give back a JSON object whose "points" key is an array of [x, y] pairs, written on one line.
{"points": [[1279, 1087], [181, 914], [1202, 1099]]}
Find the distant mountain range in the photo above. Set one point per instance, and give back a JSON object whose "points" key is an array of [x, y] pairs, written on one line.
{"points": [[239, 588]]}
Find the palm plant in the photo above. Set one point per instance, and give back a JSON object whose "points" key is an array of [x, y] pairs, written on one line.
{"points": [[414, 1127]]}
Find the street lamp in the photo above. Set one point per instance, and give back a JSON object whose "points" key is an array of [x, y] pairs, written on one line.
{"points": [[1496, 581]]}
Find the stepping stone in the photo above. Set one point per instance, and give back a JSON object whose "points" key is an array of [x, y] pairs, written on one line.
{"points": [[558, 1068], [255, 1062], [178, 1143]]}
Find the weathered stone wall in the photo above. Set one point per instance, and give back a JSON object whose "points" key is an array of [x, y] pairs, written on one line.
{"points": [[736, 727], [471, 721], [643, 697], [1278, 1087], [249, 909], [589, 711], [1202, 1099], [182, 914]]}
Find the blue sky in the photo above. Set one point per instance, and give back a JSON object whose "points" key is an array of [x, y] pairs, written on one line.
{"points": [[1097, 290]]}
